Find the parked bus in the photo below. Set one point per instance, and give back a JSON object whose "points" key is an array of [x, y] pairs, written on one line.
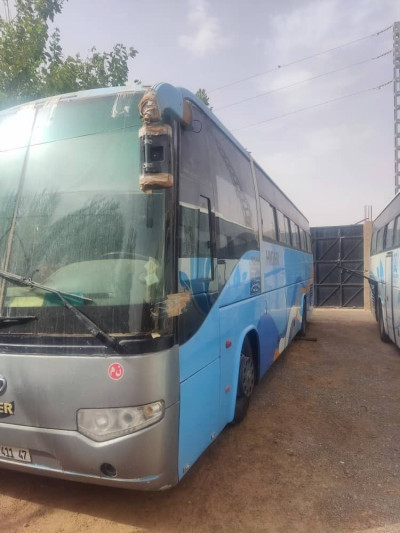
{"points": [[150, 273], [384, 271]]}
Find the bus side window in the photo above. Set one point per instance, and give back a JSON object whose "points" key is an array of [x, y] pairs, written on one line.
{"points": [[283, 228], [294, 228], [396, 233], [195, 257], [303, 240], [268, 220], [379, 241], [309, 242], [389, 235], [287, 230]]}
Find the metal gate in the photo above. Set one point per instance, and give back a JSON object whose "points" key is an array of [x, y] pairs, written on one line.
{"points": [[333, 247]]}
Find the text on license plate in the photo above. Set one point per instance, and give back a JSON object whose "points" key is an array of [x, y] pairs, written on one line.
{"points": [[15, 454]]}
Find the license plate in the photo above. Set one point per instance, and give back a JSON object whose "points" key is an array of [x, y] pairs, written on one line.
{"points": [[15, 454]]}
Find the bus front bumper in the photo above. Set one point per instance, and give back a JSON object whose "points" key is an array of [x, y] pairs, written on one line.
{"points": [[145, 460]]}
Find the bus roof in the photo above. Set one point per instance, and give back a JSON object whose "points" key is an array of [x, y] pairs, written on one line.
{"points": [[388, 213]]}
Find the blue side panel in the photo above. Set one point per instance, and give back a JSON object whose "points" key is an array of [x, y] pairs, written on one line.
{"points": [[272, 259], [202, 349], [209, 361], [200, 374], [235, 321], [269, 333], [199, 415], [291, 270], [244, 282]]}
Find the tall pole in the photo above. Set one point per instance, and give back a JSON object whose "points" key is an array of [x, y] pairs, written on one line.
{"points": [[396, 92]]}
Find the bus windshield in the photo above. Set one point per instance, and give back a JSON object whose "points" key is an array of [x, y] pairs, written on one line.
{"points": [[72, 216]]}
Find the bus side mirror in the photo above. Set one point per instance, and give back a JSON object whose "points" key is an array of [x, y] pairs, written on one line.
{"points": [[155, 157]]}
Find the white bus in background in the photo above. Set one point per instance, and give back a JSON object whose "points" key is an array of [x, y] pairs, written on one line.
{"points": [[384, 271]]}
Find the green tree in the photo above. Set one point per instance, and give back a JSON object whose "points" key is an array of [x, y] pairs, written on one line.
{"points": [[32, 64], [203, 96]]}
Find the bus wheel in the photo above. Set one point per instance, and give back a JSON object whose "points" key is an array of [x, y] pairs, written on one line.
{"points": [[246, 382], [382, 332]]}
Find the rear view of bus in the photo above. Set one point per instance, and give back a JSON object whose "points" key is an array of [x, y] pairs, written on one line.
{"points": [[150, 273]]}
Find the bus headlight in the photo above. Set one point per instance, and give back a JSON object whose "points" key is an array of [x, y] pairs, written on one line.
{"points": [[107, 424]]}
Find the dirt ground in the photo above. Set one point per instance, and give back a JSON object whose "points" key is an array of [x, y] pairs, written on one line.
{"points": [[318, 452]]}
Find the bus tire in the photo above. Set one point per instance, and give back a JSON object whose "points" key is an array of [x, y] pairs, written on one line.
{"points": [[246, 382], [382, 333]]}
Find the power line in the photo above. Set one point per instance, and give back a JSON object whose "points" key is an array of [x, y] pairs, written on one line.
{"points": [[304, 81], [278, 67], [378, 87]]}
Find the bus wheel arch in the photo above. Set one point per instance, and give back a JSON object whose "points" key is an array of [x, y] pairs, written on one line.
{"points": [[248, 375]]}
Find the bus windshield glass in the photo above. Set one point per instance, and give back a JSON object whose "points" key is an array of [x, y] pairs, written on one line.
{"points": [[72, 216]]}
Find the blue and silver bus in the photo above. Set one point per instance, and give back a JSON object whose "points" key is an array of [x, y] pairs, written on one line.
{"points": [[151, 272], [385, 271]]}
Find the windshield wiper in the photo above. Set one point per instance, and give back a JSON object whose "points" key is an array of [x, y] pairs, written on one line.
{"points": [[91, 326], [28, 282], [6, 321]]}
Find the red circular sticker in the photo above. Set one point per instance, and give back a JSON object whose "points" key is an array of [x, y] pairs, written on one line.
{"points": [[115, 371]]}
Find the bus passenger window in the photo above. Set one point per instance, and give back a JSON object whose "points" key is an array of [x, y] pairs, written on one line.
{"points": [[287, 231], [283, 228], [268, 220], [389, 235], [303, 240], [309, 245], [294, 228], [396, 233], [195, 261], [379, 241]]}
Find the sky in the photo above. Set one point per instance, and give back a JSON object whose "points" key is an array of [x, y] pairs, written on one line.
{"points": [[330, 159]]}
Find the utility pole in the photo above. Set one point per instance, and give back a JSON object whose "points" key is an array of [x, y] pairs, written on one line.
{"points": [[396, 93]]}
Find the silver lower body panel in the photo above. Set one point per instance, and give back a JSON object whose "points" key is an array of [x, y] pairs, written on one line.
{"points": [[145, 460]]}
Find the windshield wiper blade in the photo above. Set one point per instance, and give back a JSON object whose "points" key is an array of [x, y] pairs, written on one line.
{"points": [[6, 321], [91, 326], [28, 282]]}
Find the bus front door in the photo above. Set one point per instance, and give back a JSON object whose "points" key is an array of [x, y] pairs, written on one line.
{"points": [[389, 295]]}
